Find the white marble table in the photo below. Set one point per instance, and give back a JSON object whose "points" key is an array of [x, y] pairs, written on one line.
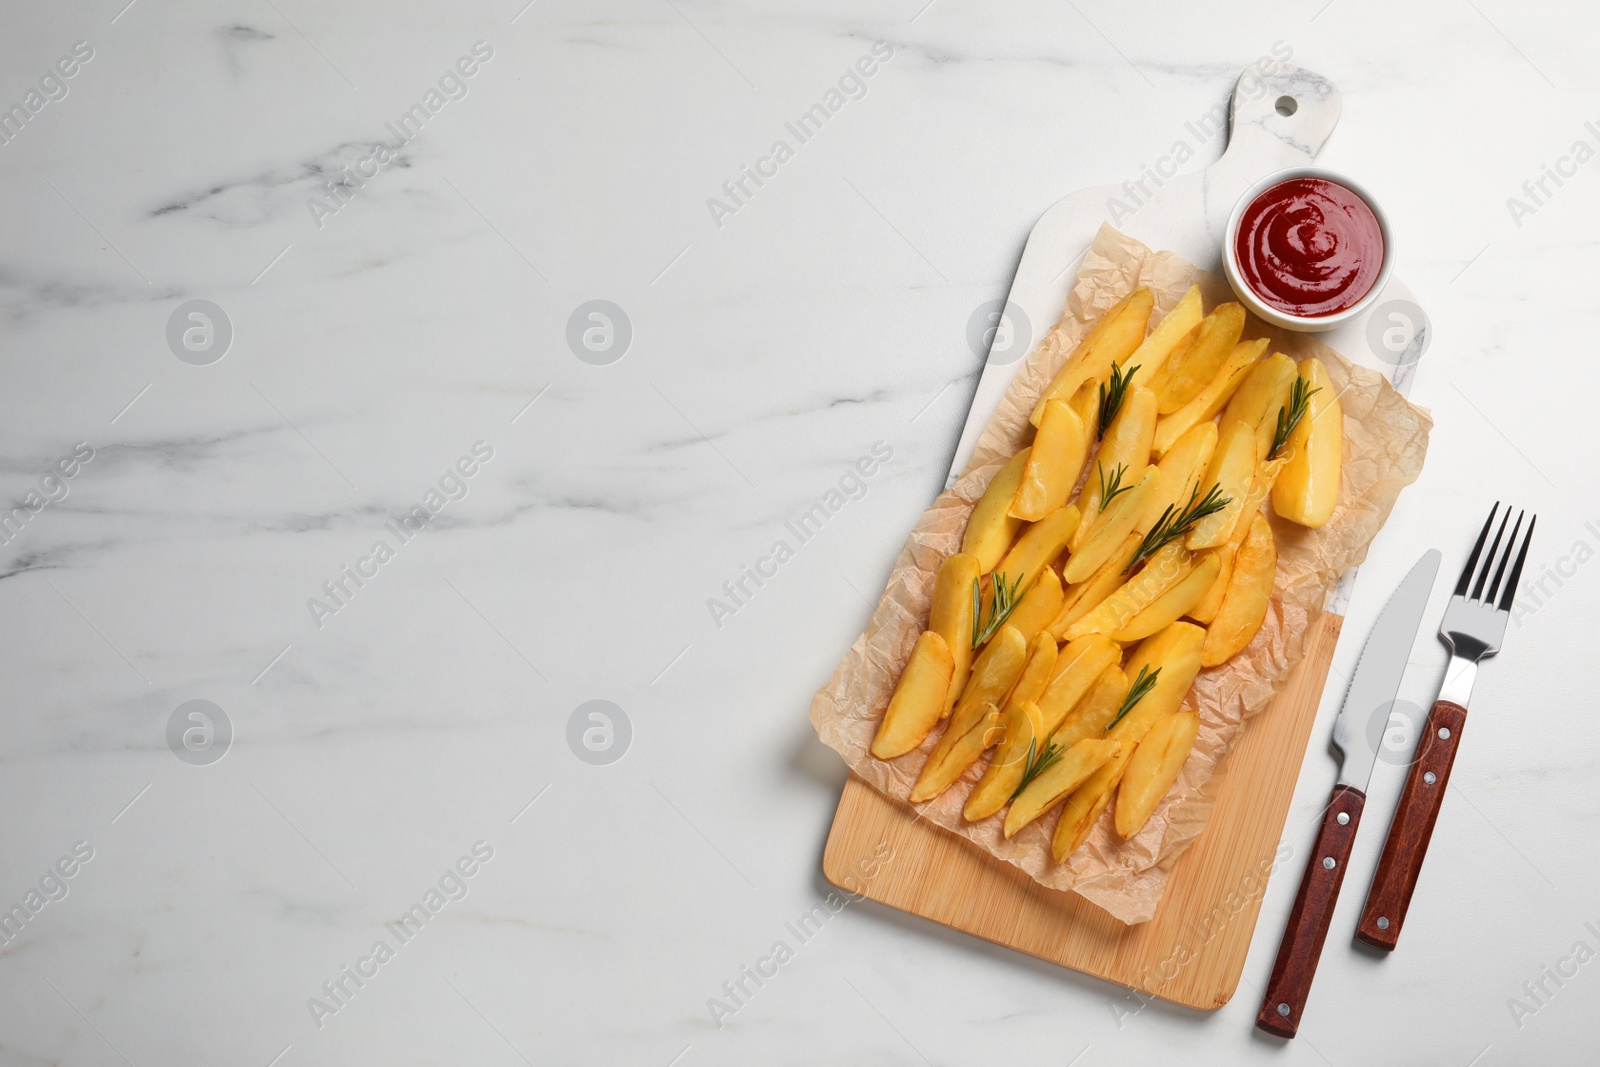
{"points": [[410, 741]]}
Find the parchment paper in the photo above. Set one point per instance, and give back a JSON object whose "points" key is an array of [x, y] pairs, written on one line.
{"points": [[1385, 440]]}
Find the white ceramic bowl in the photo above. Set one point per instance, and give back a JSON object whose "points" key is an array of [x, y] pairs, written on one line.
{"points": [[1265, 311]]}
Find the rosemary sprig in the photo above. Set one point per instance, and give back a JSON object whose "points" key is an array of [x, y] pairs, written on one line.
{"points": [[1005, 602], [1141, 686], [1112, 394], [1110, 487], [1174, 524], [1289, 417], [1047, 759]]}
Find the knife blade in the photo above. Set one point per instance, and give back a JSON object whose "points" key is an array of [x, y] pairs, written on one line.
{"points": [[1373, 686], [1378, 671]]}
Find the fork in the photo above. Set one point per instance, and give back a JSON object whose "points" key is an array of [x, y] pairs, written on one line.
{"points": [[1473, 627]]}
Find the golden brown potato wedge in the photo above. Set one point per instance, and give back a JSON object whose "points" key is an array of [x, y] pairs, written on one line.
{"points": [[996, 670], [1233, 466], [1091, 715], [951, 617], [1086, 804], [1164, 570], [1125, 448], [1096, 331], [1039, 606], [1120, 332], [1244, 605], [1024, 734], [1054, 462], [1086, 402], [1182, 377], [1036, 673], [1029, 685], [1070, 769], [1112, 528], [1205, 609], [991, 527], [1173, 604], [1209, 401], [1036, 546], [1152, 769], [918, 699], [1175, 654], [1258, 399], [1077, 666], [1149, 357], [1078, 600], [1307, 489], [969, 735], [1180, 469]]}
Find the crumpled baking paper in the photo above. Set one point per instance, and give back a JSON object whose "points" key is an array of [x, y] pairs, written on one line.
{"points": [[1385, 441]]}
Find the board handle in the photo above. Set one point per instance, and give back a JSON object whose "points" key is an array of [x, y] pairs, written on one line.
{"points": [[1412, 828], [1301, 946]]}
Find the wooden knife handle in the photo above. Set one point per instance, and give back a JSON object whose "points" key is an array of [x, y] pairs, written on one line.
{"points": [[1412, 828], [1313, 910]]}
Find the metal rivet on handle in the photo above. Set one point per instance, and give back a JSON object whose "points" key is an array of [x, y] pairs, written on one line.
{"points": [[1329, 862], [1430, 777], [1444, 733], [1283, 1009], [1383, 922], [1343, 818]]}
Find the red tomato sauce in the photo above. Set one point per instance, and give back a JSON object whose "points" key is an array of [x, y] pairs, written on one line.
{"points": [[1309, 247]]}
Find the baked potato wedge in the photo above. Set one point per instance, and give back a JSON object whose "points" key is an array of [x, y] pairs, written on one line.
{"points": [[1156, 349], [918, 700], [1077, 667], [1249, 593], [1173, 604], [1036, 546], [1024, 735], [1078, 600], [991, 527], [951, 617], [1185, 374], [1257, 401], [1209, 401], [1067, 771], [1233, 467], [1164, 570], [1152, 769], [1039, 605], [1125, 449], [1112, 340], [970, 734], [1112, 528], [1307, 489], [1054, 462]]}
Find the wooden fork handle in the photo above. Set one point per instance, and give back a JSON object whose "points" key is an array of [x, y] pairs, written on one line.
{"points": [[1301, 947], [1412, 828]]}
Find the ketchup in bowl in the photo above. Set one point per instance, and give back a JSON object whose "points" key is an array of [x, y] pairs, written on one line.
{"points": [[1309, 247]]}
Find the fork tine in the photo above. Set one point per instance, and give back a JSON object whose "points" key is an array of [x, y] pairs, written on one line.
{"points": [[1511, 546], [1516, 571], [1472, 560], [1488, 561]]}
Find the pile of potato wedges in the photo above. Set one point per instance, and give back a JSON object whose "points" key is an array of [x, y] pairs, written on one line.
{"points": [[1108, 562]]}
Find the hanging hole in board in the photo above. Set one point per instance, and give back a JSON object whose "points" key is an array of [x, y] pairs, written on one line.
{"points": [[1286, 106]]}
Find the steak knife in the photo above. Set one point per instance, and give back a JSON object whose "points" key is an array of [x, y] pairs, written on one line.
{"points": [[1372, 688]]}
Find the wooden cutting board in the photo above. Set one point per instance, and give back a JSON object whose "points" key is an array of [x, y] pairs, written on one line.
{"points": [[1193, 951]]}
